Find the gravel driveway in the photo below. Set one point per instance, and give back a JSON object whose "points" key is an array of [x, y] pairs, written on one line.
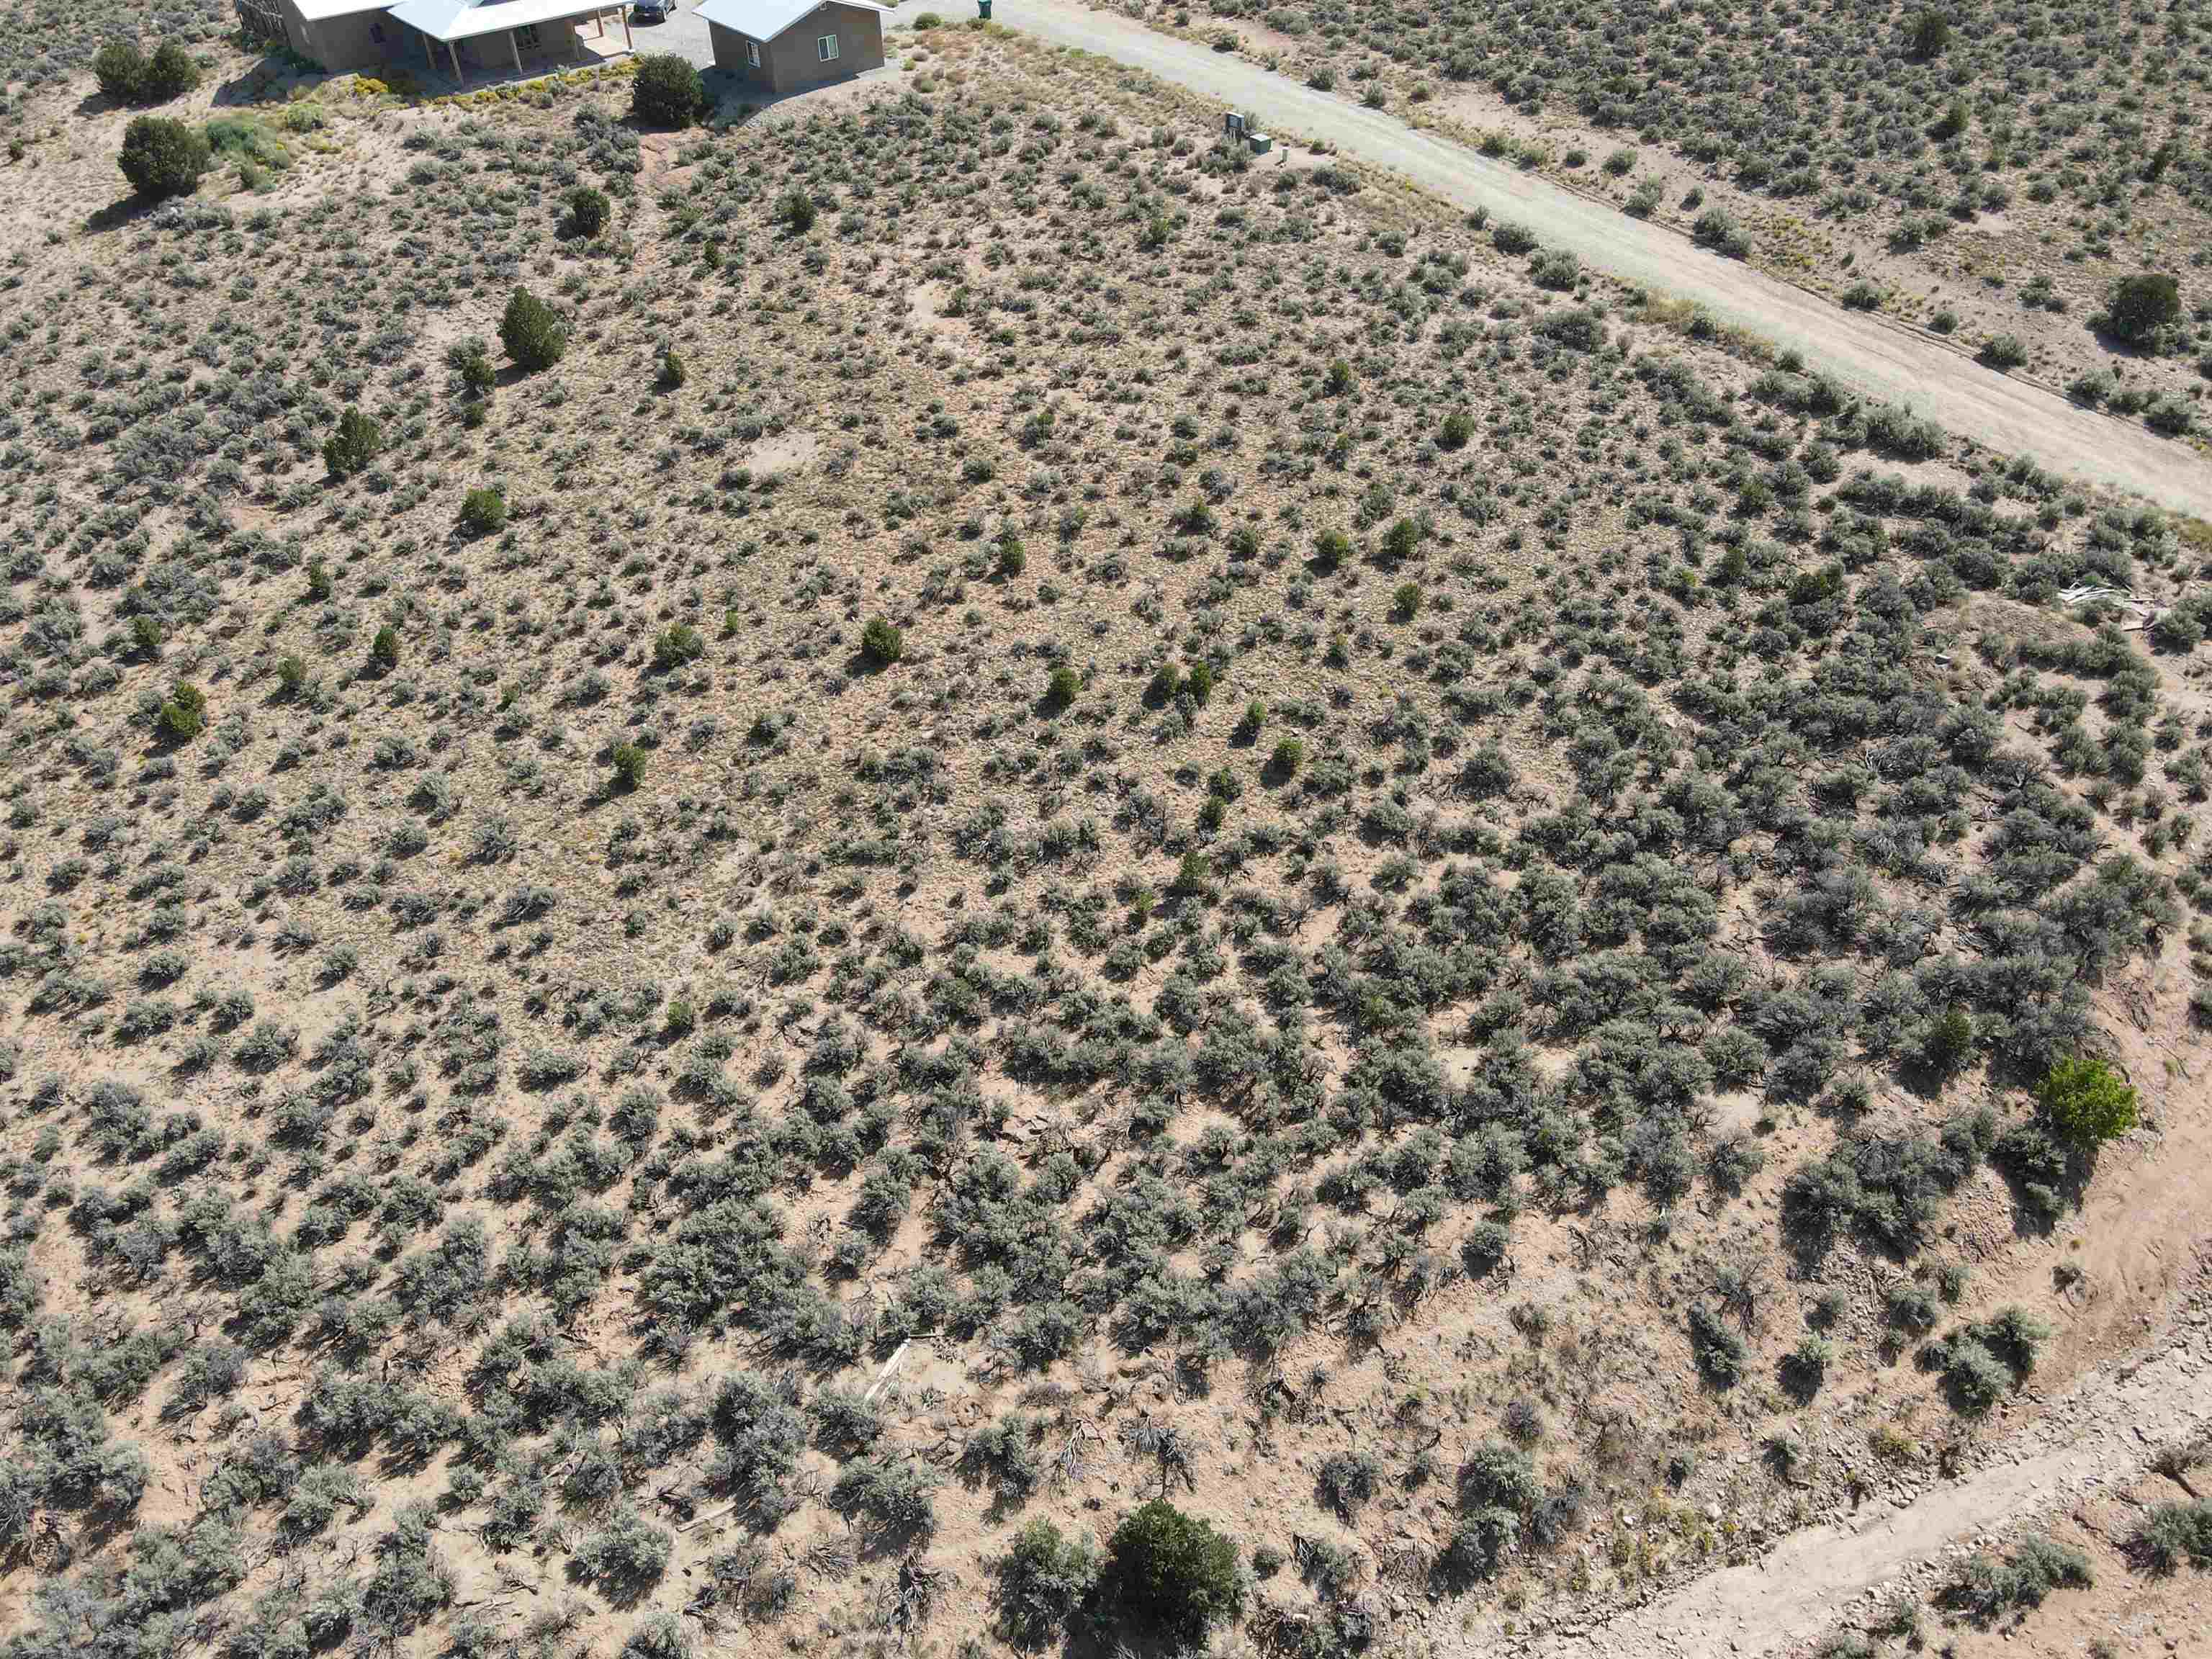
{"points": [[1881, 361], [684, 32]]}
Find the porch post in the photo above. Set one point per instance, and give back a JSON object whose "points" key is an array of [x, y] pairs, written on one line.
{"points": [[454, 52], [577, 42], [429, 57], [515, 47], [628, 43]]}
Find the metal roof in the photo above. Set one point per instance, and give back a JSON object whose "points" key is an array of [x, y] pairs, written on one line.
{"points": [[763, 20], [314, 11], [457, 19]]}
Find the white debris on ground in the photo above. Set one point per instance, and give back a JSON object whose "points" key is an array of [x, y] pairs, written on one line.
{"points": [[2136, 614]]}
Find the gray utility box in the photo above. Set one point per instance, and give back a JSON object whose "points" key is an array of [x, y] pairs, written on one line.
{"points": [[1244, 128]]}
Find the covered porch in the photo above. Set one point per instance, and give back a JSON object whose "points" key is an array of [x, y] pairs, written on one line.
{"points": [[520, 40]]}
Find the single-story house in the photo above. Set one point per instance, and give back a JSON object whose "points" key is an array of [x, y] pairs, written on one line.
{"points": [[785, 45], [446, 36]]}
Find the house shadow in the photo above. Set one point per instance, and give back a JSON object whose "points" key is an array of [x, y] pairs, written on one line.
{"points": [[735, 101], [271, 75]]}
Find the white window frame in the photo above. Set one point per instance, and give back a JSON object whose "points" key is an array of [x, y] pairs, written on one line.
{"points": [[825, 49], [752, 53]]}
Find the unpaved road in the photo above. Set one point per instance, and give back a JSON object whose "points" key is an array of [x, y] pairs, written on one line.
{"points": [[2101, 1432], [1878, 360]]}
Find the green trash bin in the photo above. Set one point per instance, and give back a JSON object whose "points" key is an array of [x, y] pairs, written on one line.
{"points": [[984, 9]]}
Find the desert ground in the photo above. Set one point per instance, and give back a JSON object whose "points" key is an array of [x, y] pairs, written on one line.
{"points": [[1060, 820]]}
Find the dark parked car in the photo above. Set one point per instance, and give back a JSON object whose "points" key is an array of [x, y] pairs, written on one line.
{"points": [[653, 11]]}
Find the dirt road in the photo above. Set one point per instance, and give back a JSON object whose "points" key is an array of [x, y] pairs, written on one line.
{"points": [[2101, 1433], [1878, 360]]}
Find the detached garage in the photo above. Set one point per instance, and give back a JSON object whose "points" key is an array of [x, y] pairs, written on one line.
{"points": [[787, 45]]}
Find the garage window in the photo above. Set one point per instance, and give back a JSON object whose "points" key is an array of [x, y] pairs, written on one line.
{"points": [[752, 53], [825, 49]]}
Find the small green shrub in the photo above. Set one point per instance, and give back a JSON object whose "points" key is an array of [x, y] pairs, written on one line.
{"points": [[1714, 229], [794, 211], [2142, 305], [629, 761], [1347, 1481], [673, 371], [666, 91], [1061, 687], [384, 649], [1806, 1366], [2174, 416], [1478, 1546], [2173, 1534], [146, 637], [1980, 1362], [181, 717], [881, 643], [355, 444], [1485, 1248], [1172, 1573], [678, 644], [1987, 1588], [119, 68], [532, 332], [484, 511], [587, 211], [1719, 1351], [162, 157], [468, 359], [1948, 1042], [1043, 1580], [1456, 431], [2086, 1101], [1290, 754], [1926, 35], [658, 1636], [170, 73], [1405, 602], [625, 1557]]}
